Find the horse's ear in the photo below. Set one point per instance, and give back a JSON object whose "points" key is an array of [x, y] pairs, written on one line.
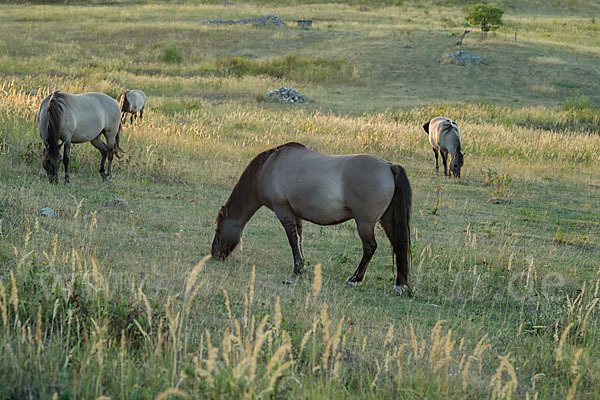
{"points": [[426, 127]]}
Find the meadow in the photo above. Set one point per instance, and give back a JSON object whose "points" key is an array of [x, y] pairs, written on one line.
{"points": [[121, 302]]}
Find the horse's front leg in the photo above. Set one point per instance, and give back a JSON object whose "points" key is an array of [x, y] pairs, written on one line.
{"points": [[367, 235], [299, 230], [66, 156], [445, 162], [288, 221]]}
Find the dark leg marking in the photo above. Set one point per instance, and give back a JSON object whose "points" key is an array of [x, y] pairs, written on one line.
{"points": [[288, 221], [445, 162], [367, 235], [66, 156], [101, 146]]}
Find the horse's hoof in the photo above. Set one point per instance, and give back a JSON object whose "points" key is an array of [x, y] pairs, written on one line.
{"points": [[288, 282], [404, 290], [67, 184], [351, 284]]}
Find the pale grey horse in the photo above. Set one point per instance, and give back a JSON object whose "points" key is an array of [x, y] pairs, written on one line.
{"points": [[444, 137], [77, 119], [299, 184], [132, 102]]}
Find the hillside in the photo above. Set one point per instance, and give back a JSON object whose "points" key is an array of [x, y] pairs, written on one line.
{"points": [[120, 302]]}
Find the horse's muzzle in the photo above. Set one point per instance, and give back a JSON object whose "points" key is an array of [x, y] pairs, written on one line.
{"points": [[219, 253]]}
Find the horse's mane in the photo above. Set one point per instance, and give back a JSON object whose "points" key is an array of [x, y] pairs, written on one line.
{"points": [[124, 100], [54, 113], [247, 181]]}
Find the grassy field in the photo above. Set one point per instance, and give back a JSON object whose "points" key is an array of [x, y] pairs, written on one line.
{"points": [[119, 302]]}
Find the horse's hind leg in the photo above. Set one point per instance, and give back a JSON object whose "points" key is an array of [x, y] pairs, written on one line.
{"points": [[288, 220], [111, 153], [99, 144], [142, 113], [367, 235], [435, 151]]}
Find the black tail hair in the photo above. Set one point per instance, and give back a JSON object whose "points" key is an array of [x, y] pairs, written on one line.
{"points": [[425, 127], [401, 205], [118, 150]]}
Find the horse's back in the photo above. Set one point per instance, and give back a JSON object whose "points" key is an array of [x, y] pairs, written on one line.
{"points": [[328, 189], [89, 114], [136, 99], [444, 134]]}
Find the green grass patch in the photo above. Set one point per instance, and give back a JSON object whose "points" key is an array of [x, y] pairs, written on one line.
{"points": [[301, 69]]}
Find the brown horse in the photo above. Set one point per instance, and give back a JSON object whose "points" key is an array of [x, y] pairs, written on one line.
{"points": [[299, 184], [444, 137]]}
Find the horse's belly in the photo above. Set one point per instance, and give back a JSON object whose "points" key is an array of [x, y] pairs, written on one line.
{"points": [[323, 207], [325, 215]]}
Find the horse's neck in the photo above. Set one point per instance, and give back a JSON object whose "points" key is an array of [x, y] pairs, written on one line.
{"points": [[242, 208]]}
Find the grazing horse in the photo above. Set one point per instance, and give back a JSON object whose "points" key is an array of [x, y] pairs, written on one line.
{"points": [[133, 102], [444, 137], [299, 184], [77, 119]]}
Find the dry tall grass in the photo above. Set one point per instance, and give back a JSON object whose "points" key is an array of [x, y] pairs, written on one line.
{"points": [[121, 303]]}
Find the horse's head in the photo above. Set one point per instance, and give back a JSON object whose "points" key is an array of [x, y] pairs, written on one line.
{"points": [[456, 163], [51, 163], [227, 235]]}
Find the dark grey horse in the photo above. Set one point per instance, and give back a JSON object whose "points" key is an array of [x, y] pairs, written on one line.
{"points": [[299, 184], [78, 119]]}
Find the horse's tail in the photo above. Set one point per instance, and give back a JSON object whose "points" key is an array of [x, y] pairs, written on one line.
{"points": [[118, 150], [400, 207], [54, 113]]}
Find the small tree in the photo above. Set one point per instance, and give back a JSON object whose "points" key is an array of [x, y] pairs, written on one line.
{"points": [[488, 16]]}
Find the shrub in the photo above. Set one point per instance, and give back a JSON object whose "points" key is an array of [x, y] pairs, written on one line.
{"points": [[578, 102], [171, 55], [500, 182]]}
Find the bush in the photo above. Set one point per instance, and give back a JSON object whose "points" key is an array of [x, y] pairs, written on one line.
{"points": [[171, 55], [577, 103]]}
